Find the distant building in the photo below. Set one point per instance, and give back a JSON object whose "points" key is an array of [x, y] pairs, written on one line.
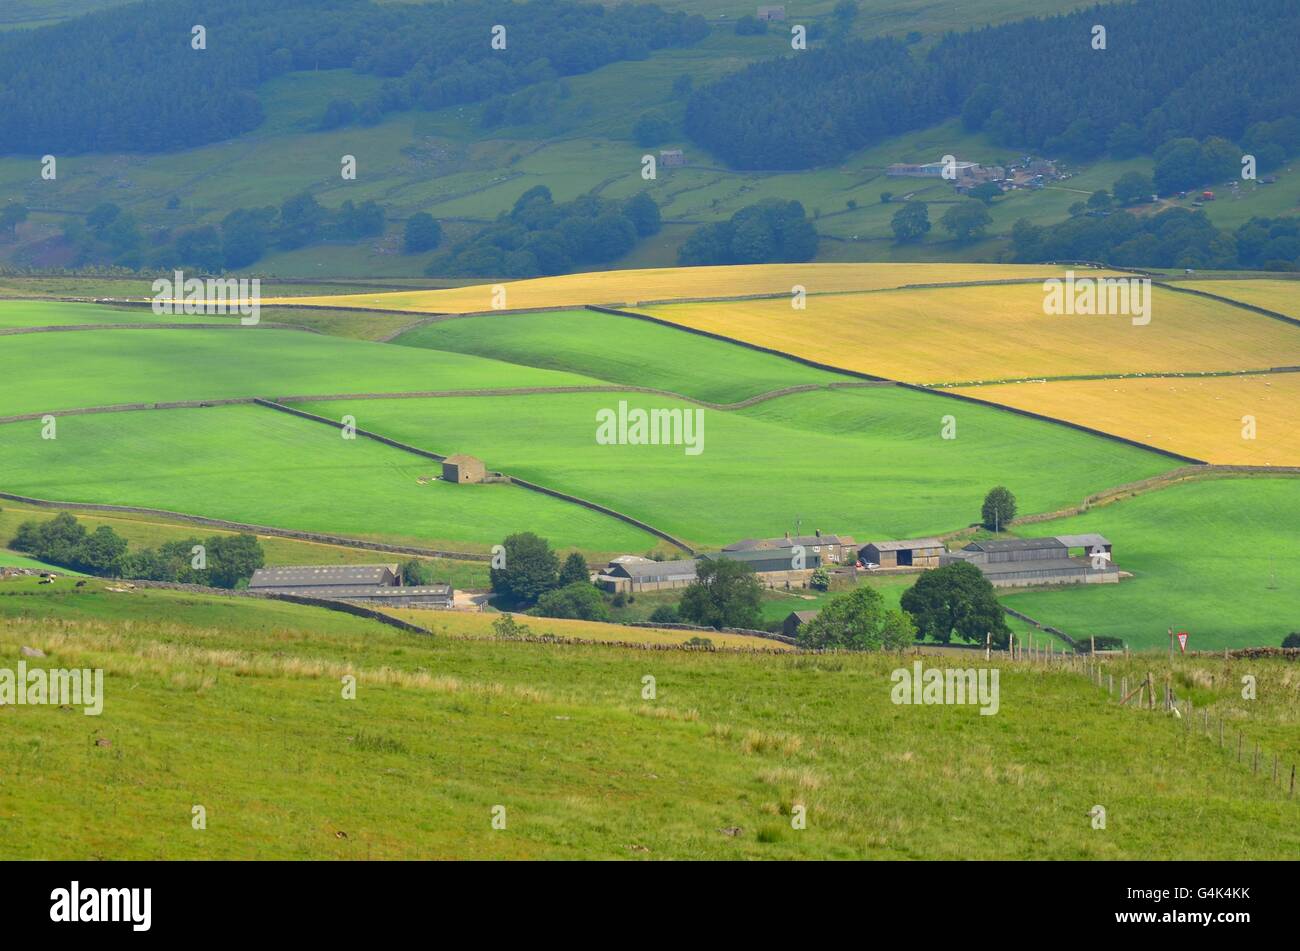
{"points": [[771, 14], [628, 574], [371, 584], [795, 620], [672, 158], [833, 549], [908, 553], [1021, 562], [290, 578], [463, 469], [775, 567], [959, 170]]}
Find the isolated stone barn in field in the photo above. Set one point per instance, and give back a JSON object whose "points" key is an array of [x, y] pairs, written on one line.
{"points": [[463, 469]]}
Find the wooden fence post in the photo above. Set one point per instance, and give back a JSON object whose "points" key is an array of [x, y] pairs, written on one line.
{"points": [[1292, 792]]}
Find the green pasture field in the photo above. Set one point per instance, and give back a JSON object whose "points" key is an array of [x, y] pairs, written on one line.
{"points": [[25, 286], [258, 466], [238, 708], [869, 462], [141, 531], [62, 603], [621, 350], [43, 372], [44, 313], [1213, 558], [337, 323], [13, 559]]}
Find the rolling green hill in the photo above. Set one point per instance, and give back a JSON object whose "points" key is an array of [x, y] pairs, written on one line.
{"points": [[621, 350], [198, 711], [1207, 557], [444, 162], [252, 465], [868, 462]]}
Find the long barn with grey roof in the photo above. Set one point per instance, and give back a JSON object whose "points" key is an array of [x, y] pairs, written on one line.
{"points": [[1022, 562], [372, 584]]}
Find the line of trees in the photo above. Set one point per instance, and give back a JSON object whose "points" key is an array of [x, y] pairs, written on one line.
{"points": [[1170, 69], [771, 230], [219, 561], [532, 575], [1177, 237], [244, 236], [541, 237], [142, 87]]}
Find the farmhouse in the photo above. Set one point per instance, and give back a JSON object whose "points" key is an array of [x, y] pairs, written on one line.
{"points": [[672, 158], [372, 584], [463, 469], [1020, 562], [771, 14], [833, 549], [912, 552], [628, 573]]}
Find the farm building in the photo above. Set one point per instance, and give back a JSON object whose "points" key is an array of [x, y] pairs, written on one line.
{"points": [[672, 158], [833, 549], [373, 584], [775, 567], [1021, 562], [932, 170], [911, 552], [628, 573], [1088, 544], [463, 469], [771, 14], [292, 578], [795, 620]]}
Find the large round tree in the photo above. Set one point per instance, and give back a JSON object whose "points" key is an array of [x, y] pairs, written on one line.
{"points": [[956, 600], [999, 509]]}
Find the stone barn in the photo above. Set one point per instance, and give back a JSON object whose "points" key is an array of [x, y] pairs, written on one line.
{"points": [[907, 553], [463, 469]]}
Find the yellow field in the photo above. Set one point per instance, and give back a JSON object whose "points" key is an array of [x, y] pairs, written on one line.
{"points": [[479, 624], [1281, 296], [1198, 417], [630, 288], [968, 334]]}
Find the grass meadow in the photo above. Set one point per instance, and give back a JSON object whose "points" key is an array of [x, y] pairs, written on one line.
{"points": [[870, 462], [239, 708], [621, 350], [1210, 557], [143, 531], [44, 372], [253, 465]]}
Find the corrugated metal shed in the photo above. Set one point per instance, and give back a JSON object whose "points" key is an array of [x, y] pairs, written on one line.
{"points": [[317, 576]]}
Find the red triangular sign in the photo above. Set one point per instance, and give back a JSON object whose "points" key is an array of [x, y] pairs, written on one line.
{"points": [[1182, 641]]}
